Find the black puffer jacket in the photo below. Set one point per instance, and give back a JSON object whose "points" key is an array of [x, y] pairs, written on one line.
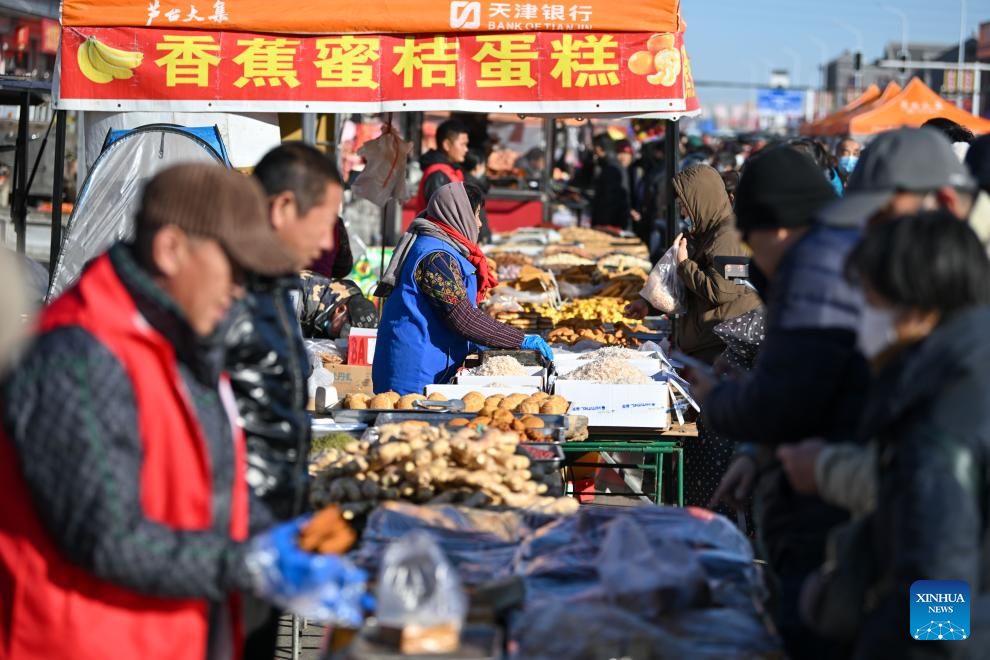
{"points": [[437, 180], [929, 413], [268, 366], [809, 380]]}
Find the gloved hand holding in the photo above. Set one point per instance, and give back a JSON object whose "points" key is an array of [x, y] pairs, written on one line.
{"points": [[536, 343], [321, 587]]}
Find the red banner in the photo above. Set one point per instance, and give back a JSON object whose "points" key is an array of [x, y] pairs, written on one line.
{"points": [[540, 72]]}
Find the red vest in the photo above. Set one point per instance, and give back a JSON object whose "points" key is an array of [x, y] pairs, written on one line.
{"points": [[50, 608], [452, 173]]}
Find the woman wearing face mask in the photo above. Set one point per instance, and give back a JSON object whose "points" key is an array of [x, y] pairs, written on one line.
{"points": [[710, 298], [924, 329]]}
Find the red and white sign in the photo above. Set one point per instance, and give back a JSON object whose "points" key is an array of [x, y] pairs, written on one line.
{"points": [[125, 69]]}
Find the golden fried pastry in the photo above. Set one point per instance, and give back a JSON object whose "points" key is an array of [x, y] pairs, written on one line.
{"points": [[406, 402], [552, 407], [494, 400], [356, 401], [381, 402], [529, 407], [532, 422], [436, 396], [503, 417], [473, 402]]}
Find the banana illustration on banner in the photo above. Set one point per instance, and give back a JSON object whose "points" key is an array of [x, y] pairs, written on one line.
{"points": [[101, 63]]}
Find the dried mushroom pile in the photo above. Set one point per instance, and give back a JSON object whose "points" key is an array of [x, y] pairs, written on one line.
{"points": [[500, 365], [610, 370], [419, 463]]}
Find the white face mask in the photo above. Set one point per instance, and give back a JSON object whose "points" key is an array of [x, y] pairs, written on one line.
{"points": [[877, 331]]}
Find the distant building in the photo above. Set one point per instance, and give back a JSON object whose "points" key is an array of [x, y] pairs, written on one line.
{"points": [[840, 73]]}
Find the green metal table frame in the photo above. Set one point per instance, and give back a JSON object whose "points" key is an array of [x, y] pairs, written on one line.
{"points": [[656, 449]]}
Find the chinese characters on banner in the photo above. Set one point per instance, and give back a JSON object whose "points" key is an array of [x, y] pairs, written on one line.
{"points": [[403, 17], [522, 72]]}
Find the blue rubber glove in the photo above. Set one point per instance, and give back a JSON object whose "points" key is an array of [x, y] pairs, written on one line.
{"points": [[536, 343], [319, 587]]}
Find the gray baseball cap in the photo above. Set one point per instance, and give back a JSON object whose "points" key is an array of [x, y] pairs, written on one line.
{"points": [[904, 160]]}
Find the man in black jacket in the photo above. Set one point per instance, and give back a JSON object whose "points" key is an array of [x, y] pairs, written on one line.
{"points": [[443, 165], [809, 379], [265, 353], [266, 357], [611, 204]]}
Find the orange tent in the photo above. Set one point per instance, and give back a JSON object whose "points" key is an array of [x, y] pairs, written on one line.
{"points": [[870, 94], [839, 125], [915, 105]]}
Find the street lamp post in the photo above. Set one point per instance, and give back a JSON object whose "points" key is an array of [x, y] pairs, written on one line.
{"points": [[962, 53], [904, 27], [857, 73], [823, 63], [905, 55]]}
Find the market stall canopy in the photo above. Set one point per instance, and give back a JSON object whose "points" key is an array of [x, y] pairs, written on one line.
{"points": [[839, 125], [115, 58], [915, 105], [108, 201], [870, 94], [377, 16]]}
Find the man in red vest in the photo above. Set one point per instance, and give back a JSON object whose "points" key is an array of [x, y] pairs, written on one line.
{"points": [[126, 520], [443, 165]]}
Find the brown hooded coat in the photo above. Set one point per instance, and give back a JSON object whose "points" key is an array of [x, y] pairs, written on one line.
{"points": [[710, 297]]}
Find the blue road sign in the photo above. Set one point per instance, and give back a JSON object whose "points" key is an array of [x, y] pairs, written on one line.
{"points": [[780, 101]]}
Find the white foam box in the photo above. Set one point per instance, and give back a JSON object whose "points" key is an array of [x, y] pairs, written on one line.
{"points": [[605, 404], [536, 378], [458, 391]]}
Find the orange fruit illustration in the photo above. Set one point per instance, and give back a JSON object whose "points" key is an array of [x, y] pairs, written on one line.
{"points": [[641, 63], [660, 42]]}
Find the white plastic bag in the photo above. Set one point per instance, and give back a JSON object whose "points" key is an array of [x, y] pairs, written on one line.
{"points": [[664, 289], [417, 586], [384, 175]]}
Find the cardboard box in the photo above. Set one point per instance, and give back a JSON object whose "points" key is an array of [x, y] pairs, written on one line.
{"points": [[349, 379], [605, 404], [361, 346]]}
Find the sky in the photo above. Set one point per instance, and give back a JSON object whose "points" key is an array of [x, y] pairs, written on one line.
{"points": [[741, 40]]}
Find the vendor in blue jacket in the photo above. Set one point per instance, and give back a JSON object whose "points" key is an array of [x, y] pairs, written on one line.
{"points": [[434, 282]]}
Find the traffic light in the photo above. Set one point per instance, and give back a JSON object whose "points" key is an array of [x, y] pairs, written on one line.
{"points": [[903, 58], [858, 61]]}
